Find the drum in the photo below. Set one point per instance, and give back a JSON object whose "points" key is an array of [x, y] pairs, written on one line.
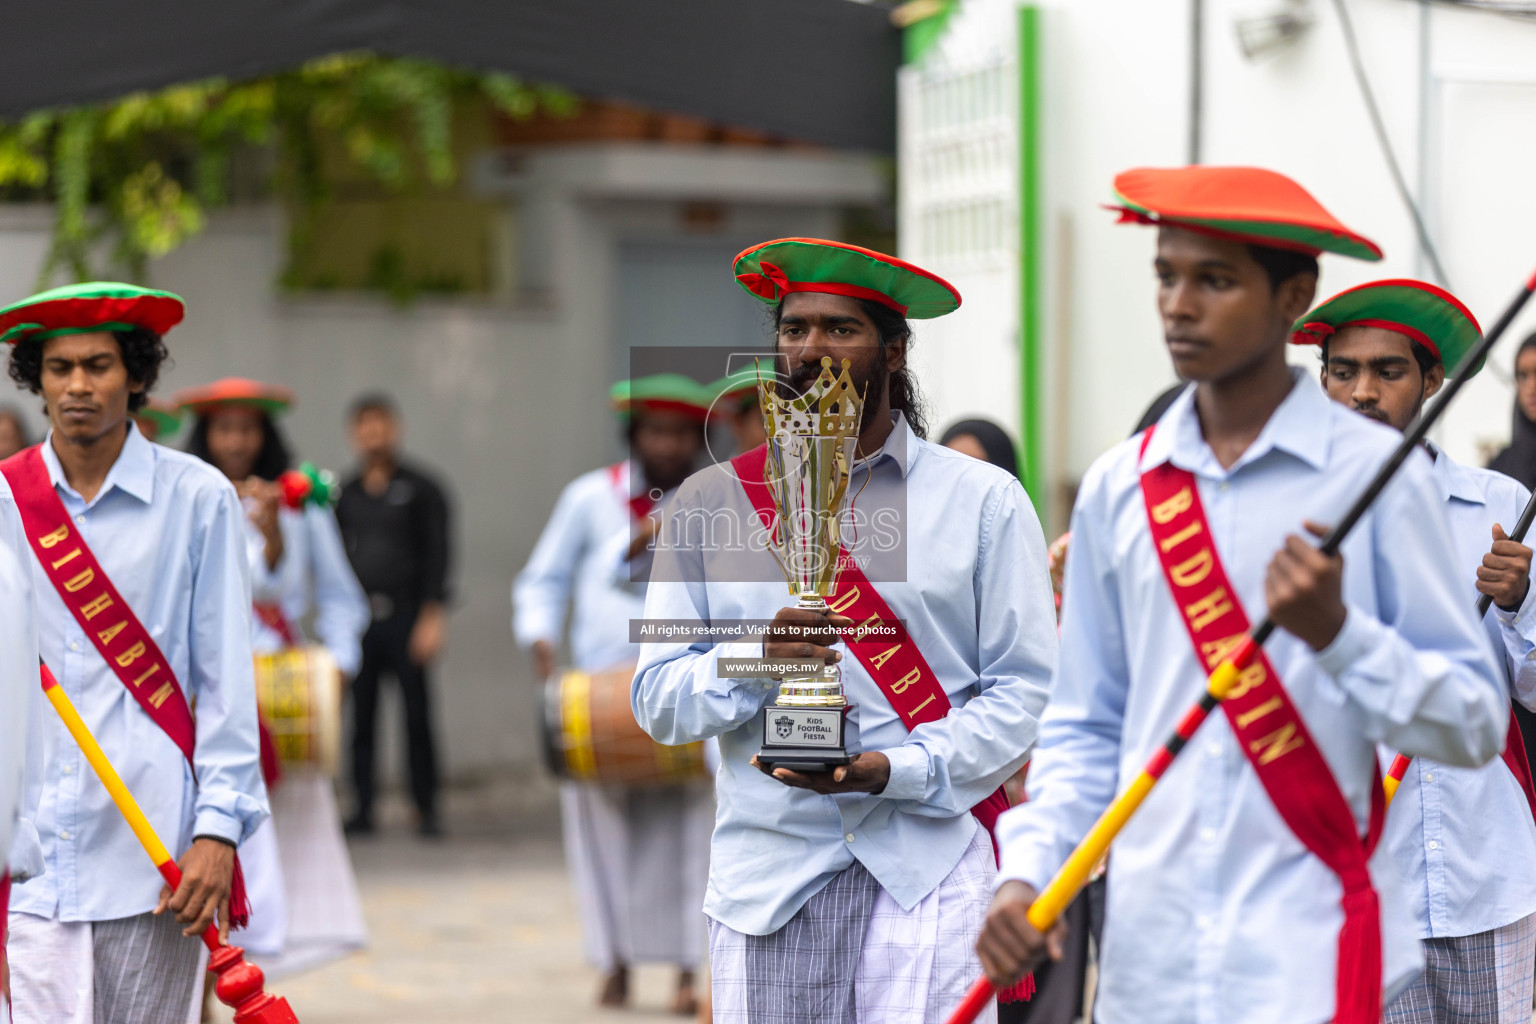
{"points": [[298, 691], [590, 734]]}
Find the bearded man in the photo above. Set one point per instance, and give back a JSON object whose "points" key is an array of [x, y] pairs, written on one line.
{"points": [[850, 894]]}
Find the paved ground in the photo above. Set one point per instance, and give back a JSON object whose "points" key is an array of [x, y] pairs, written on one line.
{"points": [[479, 928]]}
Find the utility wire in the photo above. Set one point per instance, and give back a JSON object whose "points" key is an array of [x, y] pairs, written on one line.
{"points": [[1353, 46], [1425, 242]]}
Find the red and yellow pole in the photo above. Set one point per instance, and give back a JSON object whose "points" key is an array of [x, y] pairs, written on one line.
{"points": [[241, 984], [1074, 874], [1394, 777]]}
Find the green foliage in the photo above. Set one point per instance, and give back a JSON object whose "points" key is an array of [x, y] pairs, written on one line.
{"points": [[141, 173]]}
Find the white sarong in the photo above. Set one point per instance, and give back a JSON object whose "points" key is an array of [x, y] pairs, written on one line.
{"points": [[639, 863]]}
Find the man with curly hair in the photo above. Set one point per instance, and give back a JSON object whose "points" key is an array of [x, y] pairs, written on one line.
{"points": [[138, 564]]}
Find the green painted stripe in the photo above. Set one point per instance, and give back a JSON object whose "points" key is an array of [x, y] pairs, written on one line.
{"points": [[1031, 265]]}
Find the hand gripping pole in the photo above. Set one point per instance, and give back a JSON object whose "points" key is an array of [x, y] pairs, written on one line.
{"points": [[1399, 767], [241, 983]]}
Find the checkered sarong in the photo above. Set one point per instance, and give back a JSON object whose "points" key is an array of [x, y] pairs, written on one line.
{"points": [[134, 970], [1473, 979], [804, 971], [842, 960]]}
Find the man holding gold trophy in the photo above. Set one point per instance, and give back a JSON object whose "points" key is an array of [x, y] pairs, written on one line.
{"points": [[847, 868]]}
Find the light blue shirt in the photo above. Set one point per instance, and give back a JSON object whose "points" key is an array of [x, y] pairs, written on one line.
{"points": [[1216, 912], [312, 574], [19, 692], [954, 548], [169, 532], [1464, 837], [578, 563]]}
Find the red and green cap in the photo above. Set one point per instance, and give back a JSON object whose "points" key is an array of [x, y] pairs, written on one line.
{"points": [[1426, 313], [235, 391], [661, 392], [1247, 204], [772, 270], [91, 307], [165, 416]]}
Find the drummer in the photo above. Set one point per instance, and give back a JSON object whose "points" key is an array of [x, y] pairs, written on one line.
{"points": [[305, 906], [639, 900]]}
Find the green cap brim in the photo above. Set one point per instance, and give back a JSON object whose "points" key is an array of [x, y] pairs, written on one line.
{"points": [[1418, 310], [774, 269], [663, 392]]}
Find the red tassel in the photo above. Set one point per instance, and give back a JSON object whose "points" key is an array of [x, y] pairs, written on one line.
{"points": [[1022, 992], [1358, 989], [239, 902]]}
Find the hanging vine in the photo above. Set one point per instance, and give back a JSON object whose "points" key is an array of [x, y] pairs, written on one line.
{"points": [[135, 178]]}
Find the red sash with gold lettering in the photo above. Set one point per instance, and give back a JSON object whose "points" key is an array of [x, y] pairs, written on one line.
{"points": [[1271, 733], [898, 668], [121, 639]]}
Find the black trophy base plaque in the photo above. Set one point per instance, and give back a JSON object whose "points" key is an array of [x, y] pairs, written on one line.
{"points": [[804, 739]]}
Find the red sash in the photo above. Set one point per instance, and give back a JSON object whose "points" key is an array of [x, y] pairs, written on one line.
{"points": [[898, 668], [120, 638], [1271, 732], [1519, 765], [640, 505]]}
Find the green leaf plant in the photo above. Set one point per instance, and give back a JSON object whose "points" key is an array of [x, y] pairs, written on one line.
{"points": [[135, 178]]}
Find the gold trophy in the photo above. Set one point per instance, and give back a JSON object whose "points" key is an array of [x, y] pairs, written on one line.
{"points": [[812, 443]]}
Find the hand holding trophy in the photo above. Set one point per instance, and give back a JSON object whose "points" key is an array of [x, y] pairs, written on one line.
{"points": [[812, 443]]}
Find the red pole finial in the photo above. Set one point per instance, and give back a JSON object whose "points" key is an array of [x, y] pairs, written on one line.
{"points": [[241, 986]]}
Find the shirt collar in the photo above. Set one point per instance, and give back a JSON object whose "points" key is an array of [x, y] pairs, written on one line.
{"points": [[1455, 480], [133, 472], [899, 447], [1297, 426]]}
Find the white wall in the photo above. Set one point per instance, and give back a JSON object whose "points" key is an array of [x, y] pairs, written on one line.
{"points": [[1116, 98], [1116, 95], [958, 208], [507, 402]]}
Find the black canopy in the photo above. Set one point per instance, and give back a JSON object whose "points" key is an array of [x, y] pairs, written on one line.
{"points": [[820, 71]]}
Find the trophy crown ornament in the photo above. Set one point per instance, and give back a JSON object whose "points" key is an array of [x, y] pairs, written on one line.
{"points": [[830, 407], [812, 441]]}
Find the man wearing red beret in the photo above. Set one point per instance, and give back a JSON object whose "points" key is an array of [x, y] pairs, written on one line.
{"points": [[137, 558], [1252, 886]]}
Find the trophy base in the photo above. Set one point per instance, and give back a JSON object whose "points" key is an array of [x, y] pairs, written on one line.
{"points": [[805, 739]]}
